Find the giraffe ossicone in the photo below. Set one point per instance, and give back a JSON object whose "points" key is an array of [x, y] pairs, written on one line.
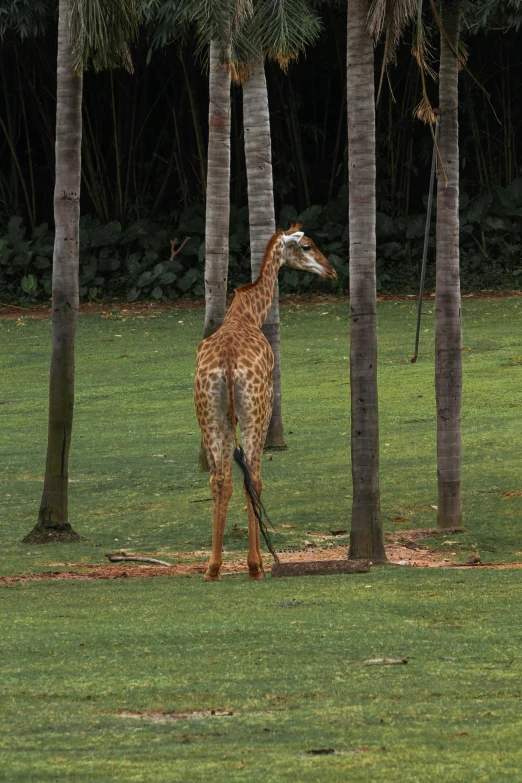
{"points": [[233, 386]]}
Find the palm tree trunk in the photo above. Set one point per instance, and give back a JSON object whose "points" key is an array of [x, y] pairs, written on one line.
{"points": [[448, 331], [366, 540], [217, 219], [218, 194], [258, 154], [53, 523]]}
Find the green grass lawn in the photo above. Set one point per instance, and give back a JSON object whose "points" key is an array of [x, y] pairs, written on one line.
{"points": [[134, 478], [284, 655]]}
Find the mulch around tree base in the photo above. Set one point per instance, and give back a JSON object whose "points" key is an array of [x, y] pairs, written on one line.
{"points": [[401, 550], [53, 537]]}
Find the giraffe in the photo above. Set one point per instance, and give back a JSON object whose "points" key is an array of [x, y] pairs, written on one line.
{"points": [[233, 384]]}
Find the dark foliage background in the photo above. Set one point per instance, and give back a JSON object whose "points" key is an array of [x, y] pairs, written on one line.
{"points": [[144, 161]]}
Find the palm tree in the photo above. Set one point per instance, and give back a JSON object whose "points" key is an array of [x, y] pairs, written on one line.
{"points": [[366, 539], [365, 19], [217, 217], [280, 32], [87, 31], [258, 156], [448, 331], [217, 211]]}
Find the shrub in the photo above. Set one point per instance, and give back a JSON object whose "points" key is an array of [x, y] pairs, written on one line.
{"points": [[136, 261]]}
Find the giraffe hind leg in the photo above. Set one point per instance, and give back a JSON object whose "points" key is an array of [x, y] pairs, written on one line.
{"points": [[219, 452], [253, 452], [221, 486]]}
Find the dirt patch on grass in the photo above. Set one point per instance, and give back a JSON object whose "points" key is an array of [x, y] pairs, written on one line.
{"points": [[401, 549], [164, 717]]}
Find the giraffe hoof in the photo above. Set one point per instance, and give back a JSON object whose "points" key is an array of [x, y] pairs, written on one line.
{"points": [[210, 577], [257, 574]]}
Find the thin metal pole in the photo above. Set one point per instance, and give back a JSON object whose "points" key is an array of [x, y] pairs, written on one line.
{"points": [[426, 240]]}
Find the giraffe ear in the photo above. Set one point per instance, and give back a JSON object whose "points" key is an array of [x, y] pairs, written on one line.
{"points": [[296, 237]]}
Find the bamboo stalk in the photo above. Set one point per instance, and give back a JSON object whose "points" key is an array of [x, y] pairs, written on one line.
{"points": [[102, 184], [294, 124], [32, 210], [195, 124], [93, 186], [180, 158], [340, 126], [166, 177], [481, 163], [17, 166], [426, 242], [131, 158], [116, 150]]}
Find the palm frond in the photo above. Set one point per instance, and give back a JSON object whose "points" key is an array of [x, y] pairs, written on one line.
{"points": [[425, 112], [244, 10], [422, 50], [391, 18], [101, 31], [285, 28], [223, 21], [165, 20]]}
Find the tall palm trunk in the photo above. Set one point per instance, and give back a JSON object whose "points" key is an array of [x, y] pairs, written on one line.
{"points": [[448, 331], [218, 194], [53, 523], [366, 540], [217, 218], [258, 154]]}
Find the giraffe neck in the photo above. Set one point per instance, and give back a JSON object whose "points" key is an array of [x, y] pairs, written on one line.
{"points": [[255, 299]]}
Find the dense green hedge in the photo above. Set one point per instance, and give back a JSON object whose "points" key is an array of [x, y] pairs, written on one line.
{"points": [[134, 261]]}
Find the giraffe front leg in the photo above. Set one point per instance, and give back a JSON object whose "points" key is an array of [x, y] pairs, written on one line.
{"points": [[221, 488]]}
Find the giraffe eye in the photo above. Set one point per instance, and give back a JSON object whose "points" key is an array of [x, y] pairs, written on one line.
{"points": [[306, 247]]}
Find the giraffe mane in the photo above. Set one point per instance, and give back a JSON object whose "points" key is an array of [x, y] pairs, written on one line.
{"points": [[266, 258]]}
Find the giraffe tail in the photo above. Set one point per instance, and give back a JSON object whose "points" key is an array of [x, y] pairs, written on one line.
{"points": [[257, 505]]}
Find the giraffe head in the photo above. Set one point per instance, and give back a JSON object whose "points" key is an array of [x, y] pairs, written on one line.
{"points": [[300, 252]]}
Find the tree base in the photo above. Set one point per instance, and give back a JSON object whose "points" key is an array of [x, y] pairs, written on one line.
{"points": [[449, 530], [275, 447], [373, 561], [450, 524], [60, 535], [367, 547], [275, 439]]}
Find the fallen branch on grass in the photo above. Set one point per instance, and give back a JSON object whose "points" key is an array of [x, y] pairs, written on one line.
{"points": [[116, 558], [320, 567]]}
